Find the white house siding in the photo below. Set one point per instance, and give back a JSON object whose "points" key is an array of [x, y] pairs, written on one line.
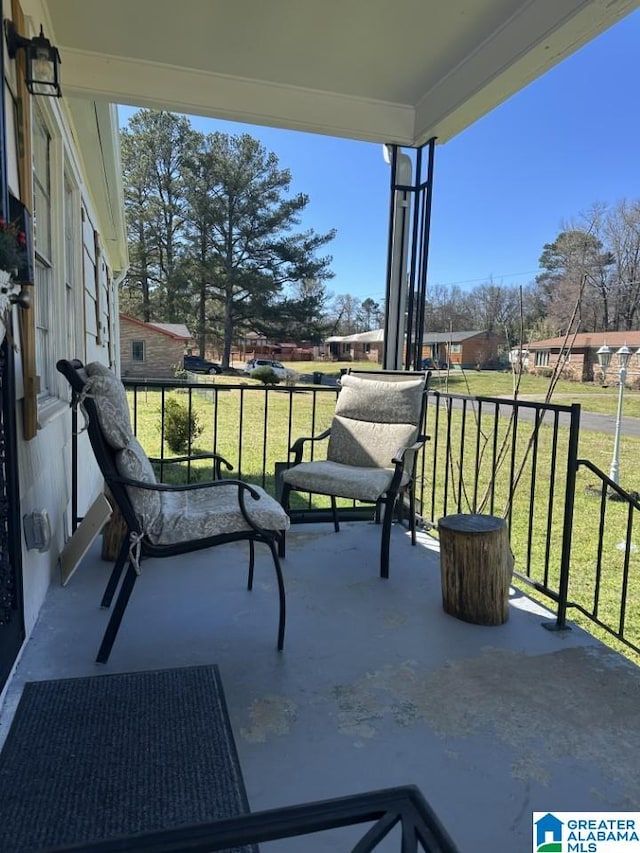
{"points": [[83, 317]]}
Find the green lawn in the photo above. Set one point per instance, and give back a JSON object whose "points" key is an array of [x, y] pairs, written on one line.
{"points": [[534, 531], [253, 427], [492, 383]]}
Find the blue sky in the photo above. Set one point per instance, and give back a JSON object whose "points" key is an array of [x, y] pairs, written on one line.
{"points": [[502, 188]]}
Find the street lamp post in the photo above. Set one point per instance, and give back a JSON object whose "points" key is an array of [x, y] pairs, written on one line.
{"points": [[604, 360], [604, 357]]}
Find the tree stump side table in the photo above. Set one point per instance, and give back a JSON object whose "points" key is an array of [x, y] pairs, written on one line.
{"points": [[476, 565]]}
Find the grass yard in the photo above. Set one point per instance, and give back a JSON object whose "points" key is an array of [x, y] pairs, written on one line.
{"points": [[537, 514], [253, 428], [490, 383]]}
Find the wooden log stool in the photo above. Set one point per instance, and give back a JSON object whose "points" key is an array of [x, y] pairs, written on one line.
{"points": [[476, 565]]}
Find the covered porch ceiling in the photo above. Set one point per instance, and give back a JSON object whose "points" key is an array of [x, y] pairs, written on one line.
{"points": [[400, 72]]}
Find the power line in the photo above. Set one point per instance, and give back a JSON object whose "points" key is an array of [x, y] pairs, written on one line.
{"points": [[484, 278], [487, 278]]}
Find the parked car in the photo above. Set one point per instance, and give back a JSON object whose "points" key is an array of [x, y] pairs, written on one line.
{"points": [[200, 365], [434, 364], [278, 368], [519, 358]]}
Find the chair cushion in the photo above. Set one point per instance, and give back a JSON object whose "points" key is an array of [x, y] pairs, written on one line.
{"points": [[373, 419], [380, 401], [205, 512], [367, 444], [110, 400], [132, 461], [344, 481]]}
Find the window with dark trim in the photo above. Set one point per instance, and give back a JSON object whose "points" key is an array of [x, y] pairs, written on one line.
{"points": [[137, 350]]}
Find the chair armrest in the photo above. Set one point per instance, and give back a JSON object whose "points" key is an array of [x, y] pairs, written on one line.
{"points": [[184, 487], [298, 446], [243, 488], [399, 460], [219, 461], [401, 452]]}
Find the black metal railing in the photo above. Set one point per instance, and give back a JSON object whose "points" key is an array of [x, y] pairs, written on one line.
{"points": [[252, 426], [604, 582], [511, 458], [508, 457], [402, 811]]}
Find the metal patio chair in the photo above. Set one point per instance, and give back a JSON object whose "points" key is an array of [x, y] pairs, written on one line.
{"points": [[374, 439], [164, 520]]}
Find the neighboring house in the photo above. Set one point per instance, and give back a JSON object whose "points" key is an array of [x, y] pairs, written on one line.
{"points": [[466, 349], [151, 350], [254, 345], [579, 354], [361, 346]]}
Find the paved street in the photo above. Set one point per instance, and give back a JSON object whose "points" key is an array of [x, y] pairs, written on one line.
{"points": [[588, 420]]}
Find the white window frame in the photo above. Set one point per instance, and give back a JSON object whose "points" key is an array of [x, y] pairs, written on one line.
{"points": [[44, 267], [50, 292]]}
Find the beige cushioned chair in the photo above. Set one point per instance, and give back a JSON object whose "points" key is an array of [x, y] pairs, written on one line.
{"points": [[374, 437], [165, 520]]}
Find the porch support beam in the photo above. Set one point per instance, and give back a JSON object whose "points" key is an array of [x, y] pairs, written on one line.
{"points": [[195, 92], [407, 255]]}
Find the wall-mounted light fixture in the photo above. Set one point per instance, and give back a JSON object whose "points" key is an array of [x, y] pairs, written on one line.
{"points": [[42, 61]]}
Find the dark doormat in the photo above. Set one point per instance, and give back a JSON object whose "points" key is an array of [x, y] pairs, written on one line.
{"points": [[88, 759]]}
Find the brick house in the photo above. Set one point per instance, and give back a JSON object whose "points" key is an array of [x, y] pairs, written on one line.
{"points": [[466, 349], [361, 346], [462, 348], [151, 350], [580, 354]]}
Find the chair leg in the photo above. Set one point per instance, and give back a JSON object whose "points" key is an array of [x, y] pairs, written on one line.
{"points": [[334, 513], [119, 565], [284, 497], [281, 595], [386, 535], [116, 617], [400, 507], [252, 560], [284, 502], [412, 513]]}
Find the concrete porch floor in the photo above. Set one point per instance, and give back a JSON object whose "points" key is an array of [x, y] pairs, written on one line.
{"points": [[376, 686]]}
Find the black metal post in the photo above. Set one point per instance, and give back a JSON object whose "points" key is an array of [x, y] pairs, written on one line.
{"points": [[569, 501], [424, 254]]}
